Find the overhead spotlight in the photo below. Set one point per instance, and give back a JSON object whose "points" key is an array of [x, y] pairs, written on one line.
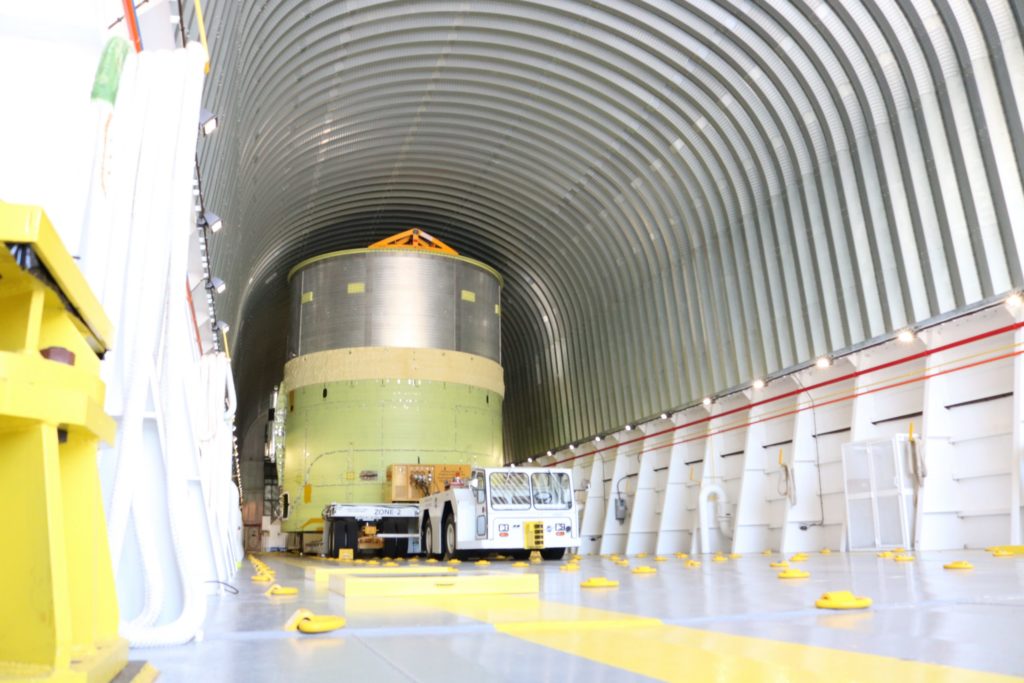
{"points": [[906, 335], [550, 454], [664, 416], [823, 362], [222, 326], [211, 221], [216, 284], [758, 383], [706, 401], [1014, 301], [207, 121], [628, 428]]}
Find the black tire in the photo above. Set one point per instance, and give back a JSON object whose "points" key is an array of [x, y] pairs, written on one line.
{"points": [[449, 551], [552, 553], [427, 538]]}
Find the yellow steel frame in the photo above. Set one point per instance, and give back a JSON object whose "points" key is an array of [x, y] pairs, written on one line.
{"points": [[59, 617]]}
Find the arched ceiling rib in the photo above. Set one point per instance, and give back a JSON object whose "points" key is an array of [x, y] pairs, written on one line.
{"points": [[680, 195]]}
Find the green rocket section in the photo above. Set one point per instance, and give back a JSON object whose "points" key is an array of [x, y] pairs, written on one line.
{"points": [[341, 436]]}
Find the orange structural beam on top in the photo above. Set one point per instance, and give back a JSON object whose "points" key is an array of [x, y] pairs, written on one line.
{"points": [[414, 238]]}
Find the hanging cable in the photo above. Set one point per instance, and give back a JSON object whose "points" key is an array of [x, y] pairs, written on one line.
{"points": [[817, 456]]}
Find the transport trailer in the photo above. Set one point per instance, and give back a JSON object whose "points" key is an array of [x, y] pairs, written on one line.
{"points": [[509, 510]]}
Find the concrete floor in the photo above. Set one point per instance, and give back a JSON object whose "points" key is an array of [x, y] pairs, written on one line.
{"points": [[731, 621]]}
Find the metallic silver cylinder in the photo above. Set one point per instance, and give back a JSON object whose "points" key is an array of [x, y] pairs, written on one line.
{"points": [[395, 298]]}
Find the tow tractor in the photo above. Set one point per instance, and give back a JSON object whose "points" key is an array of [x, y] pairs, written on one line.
{"points": [[502, 509]]}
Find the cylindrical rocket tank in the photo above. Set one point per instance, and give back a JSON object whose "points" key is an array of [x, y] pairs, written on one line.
{"points": [[393, 358]]}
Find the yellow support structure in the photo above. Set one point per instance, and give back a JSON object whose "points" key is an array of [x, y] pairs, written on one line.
{"points": [[414, 238], [59, 617]]}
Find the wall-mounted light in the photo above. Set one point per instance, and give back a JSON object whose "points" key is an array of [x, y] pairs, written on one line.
{"points": [[1014, 301], [823, 362], [597, 438], [222, 326], [906, 335], [550, 454], [757, 383], [628, 428], [529, 460], [216, 284], [211, 221], [207, 121], [572, 447], [664, 416], [706, 401]]}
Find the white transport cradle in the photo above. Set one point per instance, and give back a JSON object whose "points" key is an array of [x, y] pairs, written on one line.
{"points": [[502, 509]]}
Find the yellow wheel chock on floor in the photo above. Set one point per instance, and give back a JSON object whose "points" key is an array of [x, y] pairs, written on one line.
{"points": [[644, 570], [482, 563], [842, 600], [693, 564], [734, 556], [682, 556], [903, 558], [799, 557], [660, 558], [277, 589], [826, 551], [793, 574], [959, 564], [262, 578], [641, 556], [58, 601], [520, 565], [886, 554], [766, 552], [599, 582], [781, 564], [305, 621], [1000, 552], [570, 567], [720, 558]]}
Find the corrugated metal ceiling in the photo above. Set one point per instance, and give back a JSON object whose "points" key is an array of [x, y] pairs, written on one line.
{"points": [[681, 195]]}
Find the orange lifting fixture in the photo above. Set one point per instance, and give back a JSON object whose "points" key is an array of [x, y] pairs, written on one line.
{"points": [[414, 238]]}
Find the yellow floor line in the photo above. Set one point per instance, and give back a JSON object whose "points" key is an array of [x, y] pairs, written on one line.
{"points": [[652, 648]]}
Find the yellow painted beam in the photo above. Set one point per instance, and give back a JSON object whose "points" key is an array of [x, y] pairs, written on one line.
{"points": [[400, 586]]}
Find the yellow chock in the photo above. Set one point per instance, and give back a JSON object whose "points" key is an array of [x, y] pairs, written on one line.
{"points": [[431, 560], [959, 564], [520, 565], [886, 554], [577, 558], [766, 552], [826, 551], [305, 621], [903, 558], [346, 554], [1011, 549], [681, 556], [842, 600], [392, 564], [278, 589], [622, 563], [413, 559], [641, 556], [599, 582], [500, 557], [482, 563], [373, 563], [799, 557], [720, 558], [359, 561], [262, 578], [644, 570], [570, 567], [660, 558], [454, 561], [781, 564], [693, 564], [387, 559], [734, 556], [1000, 552], [793, 574], [535, 556]]}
